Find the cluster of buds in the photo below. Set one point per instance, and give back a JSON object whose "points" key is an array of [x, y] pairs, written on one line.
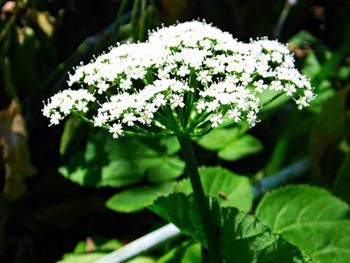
{"points": [[187, 78]]}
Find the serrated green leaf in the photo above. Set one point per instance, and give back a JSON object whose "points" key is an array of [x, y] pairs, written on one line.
{"points": [[310, 218], [243, 238], [122, 162], [230, 143], [230, 189], [137, 198]]}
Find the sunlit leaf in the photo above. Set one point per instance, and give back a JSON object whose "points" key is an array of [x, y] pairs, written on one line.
{"points": [[218, 138], [141, 259], [242, 237], [312, 219], [137, 198], [230, 143], [230, 189], [193, 254], [110, 162], [81, 258]]}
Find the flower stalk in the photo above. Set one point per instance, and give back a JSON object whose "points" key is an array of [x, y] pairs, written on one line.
{"points": [[201, 200]]}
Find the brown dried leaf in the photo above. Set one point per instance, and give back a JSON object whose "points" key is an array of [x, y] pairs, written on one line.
{"points": [[15, 154]]}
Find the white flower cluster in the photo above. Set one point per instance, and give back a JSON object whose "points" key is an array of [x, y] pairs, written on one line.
{"points": [[189, 77], [63, 103]]}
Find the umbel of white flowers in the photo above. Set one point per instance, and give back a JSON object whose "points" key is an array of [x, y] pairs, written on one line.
{"points": [[187, 78]]}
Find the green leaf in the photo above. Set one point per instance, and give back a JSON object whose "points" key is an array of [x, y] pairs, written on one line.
{"points": [[170, 144], [137, 198], [272, 99], [230, 189], [302, 38], [100, 246], [241, 147], [141, 259], [230, 143], [341, 186], [328, 130], [81, 258], [71, 134], [185, 252], [243, 238], [312, 219], [193, 254], [121, 162], [218, 138]]}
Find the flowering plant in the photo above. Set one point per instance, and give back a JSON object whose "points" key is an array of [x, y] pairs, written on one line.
{"points": [[186, 80]]}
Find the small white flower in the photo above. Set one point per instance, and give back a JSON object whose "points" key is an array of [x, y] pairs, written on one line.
{"points": [[100, 119], [245, 78], [216, 120], [129, 119], [163, 74], [102, 87], [203, 76], [259, 86], [183, 71], [232, 78], [290, 89], [125, 84], [55, 118], [234, 114], [201, 105], [213, 105], [177, 101], [145, 118], [309, 96], [251, 118], [276, 57], [276, 85], [159, 100], [116, 130], [302, 102]]}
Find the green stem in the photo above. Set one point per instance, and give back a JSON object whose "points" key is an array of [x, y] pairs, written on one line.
{"points": [[119, 14], [200, 199], [142, 21], [133, 19]]}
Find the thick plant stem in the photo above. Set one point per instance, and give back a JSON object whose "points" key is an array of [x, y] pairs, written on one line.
{"points": [[200, 199]]}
